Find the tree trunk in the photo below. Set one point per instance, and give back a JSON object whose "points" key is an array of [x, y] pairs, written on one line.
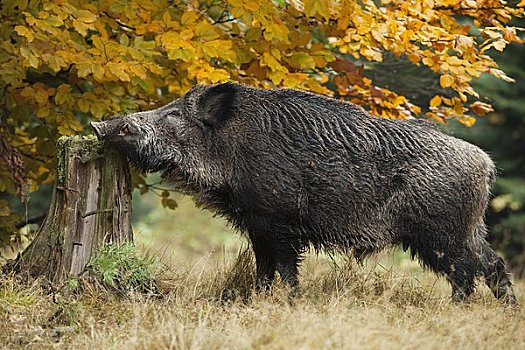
{"points": [[90, 207]]}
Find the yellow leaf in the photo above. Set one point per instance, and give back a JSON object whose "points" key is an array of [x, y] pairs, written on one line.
{"points": [[313, 7], [97, 109], [189, 18], [467, 120], [253, 34], [84, 69], [23, 31], [499, 44], [43, 112], [492, 34], [62, 95], [481, 108], [278, 31], [56, 63], [118, 70], [83, 105], [124, 40], [446, 80], [464, 42], [27, 51], [309, 8], [218, 75], [86, 16], [458, 106], [399, 100], [440, 117], [501, 75], [182, 54], [171, 41], [206, 31], [97, 42], [80, 27], [276, 76], [251, 5], [271, 62], [217, 48], [54, 21], [138, 71], [98, 72], [435, 101], [65, 130], [414, 58], [41, 94], [276, 53], [428, 61], [236, 3], [380, 31], [304, 60]]}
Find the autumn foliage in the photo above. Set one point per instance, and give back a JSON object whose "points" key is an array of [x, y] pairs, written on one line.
{"points": [[66, 62]]}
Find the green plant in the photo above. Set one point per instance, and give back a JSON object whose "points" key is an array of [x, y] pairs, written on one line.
{"points": [[120, 267]]}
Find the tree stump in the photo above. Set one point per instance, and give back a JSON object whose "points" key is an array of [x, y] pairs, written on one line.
{"points": [[90, 207]]}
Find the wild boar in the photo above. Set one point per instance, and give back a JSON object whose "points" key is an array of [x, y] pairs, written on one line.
{"points": [[295, 170]]}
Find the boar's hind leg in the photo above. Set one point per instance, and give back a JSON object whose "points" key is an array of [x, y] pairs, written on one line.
{"points": [[461, 273], [460, 269], [265, 262], [496, 276], [458, 265]]}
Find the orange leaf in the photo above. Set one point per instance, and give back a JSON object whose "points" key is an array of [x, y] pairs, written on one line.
{"points": [[435, 101]]}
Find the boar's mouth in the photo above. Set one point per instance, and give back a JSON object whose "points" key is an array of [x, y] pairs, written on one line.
{"points": [[100, 129]]}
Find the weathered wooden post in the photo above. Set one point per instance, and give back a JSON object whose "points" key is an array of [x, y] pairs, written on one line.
{"points": [[90, 207]]}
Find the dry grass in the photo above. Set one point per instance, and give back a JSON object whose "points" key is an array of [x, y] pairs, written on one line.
{"points": [[208, 302], [209, 305]]}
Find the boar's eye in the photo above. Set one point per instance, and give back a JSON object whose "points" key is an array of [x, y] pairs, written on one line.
{"points": [[126, 129], [174, 113]]}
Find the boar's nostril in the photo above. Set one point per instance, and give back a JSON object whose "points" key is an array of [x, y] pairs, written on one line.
{"points": [[99, 129]]}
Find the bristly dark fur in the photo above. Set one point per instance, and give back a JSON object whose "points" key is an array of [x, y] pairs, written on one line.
{"points": [[294, 169]]}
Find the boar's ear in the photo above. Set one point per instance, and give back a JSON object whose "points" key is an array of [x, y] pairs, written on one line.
{"points": [[215, 106]]}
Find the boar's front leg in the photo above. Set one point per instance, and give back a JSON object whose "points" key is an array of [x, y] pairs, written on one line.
{"points": [[264, 260], [276, 253], [288, 257]]}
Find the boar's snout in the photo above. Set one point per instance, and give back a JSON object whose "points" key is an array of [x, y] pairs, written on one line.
{"points": [[100, 129]]}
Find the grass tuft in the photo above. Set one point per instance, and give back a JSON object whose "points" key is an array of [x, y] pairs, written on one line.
{"points": [[121, 268], [237, 279]]}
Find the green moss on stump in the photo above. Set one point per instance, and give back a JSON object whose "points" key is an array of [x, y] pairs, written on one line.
{"points": [[86, 148]]}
